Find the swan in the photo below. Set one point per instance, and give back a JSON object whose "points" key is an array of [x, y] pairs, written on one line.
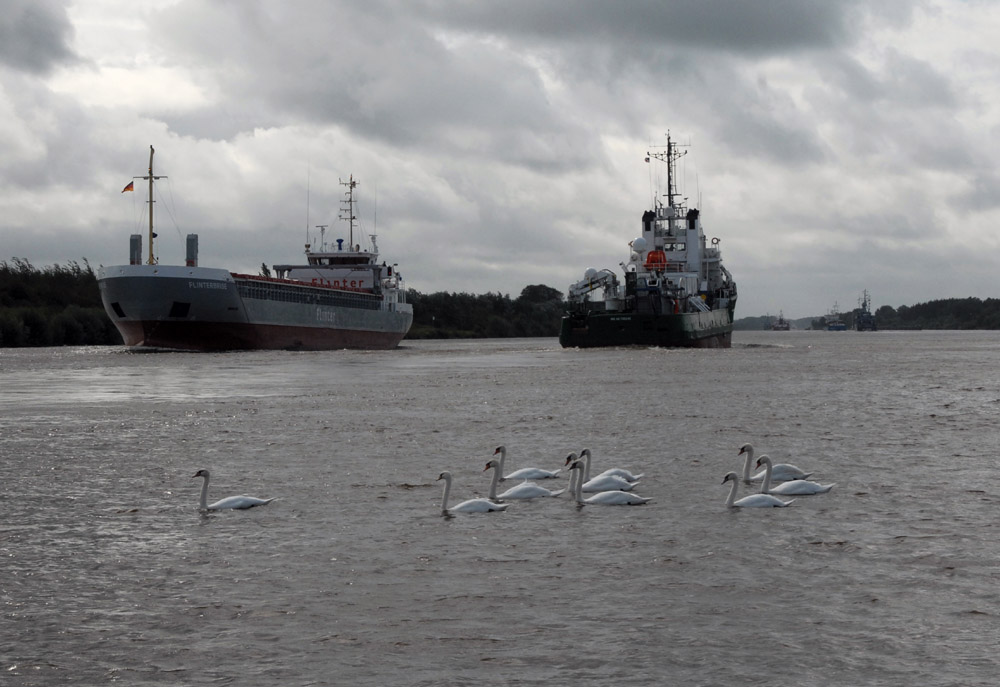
{"points": [[752, 501], [603, 498], [780, 472], [234, 502], [523, 491], [619, 472], [797, 487], [470, 506], [601, 482], [523, 473]]}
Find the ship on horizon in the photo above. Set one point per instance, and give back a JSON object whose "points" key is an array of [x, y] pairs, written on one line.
{"points": [[342, 297]]}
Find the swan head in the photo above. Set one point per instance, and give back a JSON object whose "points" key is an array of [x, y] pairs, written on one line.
{"points": [[585, 452], [571, 458], [491, 464], [745, 448], [763, 460], [730, 477], [500, 449], [576, 464], [445, 476], [200, 473]]}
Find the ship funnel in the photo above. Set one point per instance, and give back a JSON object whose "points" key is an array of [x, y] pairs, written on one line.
{"points": [[692, 218], [192, 250], [135, 249], [340, 244]]}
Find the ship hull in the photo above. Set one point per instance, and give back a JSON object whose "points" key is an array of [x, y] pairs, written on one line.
{"points": [[713, 329], [206, 309]]}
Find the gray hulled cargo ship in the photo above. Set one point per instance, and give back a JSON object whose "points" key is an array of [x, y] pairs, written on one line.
{"points": [[676, 291], [342, 297]]}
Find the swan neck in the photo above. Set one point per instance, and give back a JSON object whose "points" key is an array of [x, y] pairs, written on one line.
{"points": [[503, 458], [578, 487], [586, 468], [732, 493], [765, 488], [444, 496], [493, 483], [204, 493], [746, 466]]}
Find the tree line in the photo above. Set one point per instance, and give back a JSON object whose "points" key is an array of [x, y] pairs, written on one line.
{"points": [[52, 306], [61, 306]]}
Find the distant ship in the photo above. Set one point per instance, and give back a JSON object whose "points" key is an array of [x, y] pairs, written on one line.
{"points": [[340, 298], [676, 291], [781, 324], [864, 320], [833, 321]]}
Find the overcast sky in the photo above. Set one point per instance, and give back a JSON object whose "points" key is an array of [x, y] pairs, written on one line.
{"points": [[834, 146]]}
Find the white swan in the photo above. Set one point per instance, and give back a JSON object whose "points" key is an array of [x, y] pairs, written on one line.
{"points": [[470, 506], [234, 502], [525, 490], [781, 472], [752, 501], [523, 473], [618, 472], [601, 482], [798, 487], [603, 498]]}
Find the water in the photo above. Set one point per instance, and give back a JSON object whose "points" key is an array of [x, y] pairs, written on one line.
{"points": [[109, 574]]}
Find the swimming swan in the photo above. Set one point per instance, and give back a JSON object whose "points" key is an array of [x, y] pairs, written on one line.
{"points": [[470, 506], [525, 490], [603, 498], [234, 502], [618, 472], [752, 501], [781, 472], [798, 487], [523, 473], [601, 482]]}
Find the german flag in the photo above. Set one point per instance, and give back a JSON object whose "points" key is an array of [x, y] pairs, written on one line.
{"points": [[128, 187]]}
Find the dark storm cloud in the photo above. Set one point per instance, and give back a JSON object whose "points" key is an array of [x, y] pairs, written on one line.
{"points": [[377, 73], [34, 35], [736, 26]]}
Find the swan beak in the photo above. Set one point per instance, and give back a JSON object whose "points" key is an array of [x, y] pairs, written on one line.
{"points": [[488, 466]]}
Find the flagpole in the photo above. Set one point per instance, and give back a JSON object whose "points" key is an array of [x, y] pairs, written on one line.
{"points": [[151, 260], [150, 177]]}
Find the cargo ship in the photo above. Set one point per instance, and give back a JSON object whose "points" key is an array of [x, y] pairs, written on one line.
{"points": [[674, 290], [339, 297]]}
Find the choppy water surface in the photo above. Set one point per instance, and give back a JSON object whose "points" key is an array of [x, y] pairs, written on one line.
{"points": [[108, 573]]}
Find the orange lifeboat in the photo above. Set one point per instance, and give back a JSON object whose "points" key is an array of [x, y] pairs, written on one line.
{"points": [[656, 260]]}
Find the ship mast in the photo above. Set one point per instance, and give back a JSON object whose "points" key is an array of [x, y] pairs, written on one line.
{"points": [[670, 157], [150, 177], [348, 206]]}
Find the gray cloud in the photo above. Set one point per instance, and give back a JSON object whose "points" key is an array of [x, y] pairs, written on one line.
{"points": [[35, 35]]}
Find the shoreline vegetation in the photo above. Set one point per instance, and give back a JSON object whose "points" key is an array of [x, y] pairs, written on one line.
{"points": [[60, 305]]}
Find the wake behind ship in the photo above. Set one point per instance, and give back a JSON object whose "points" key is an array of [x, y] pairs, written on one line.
{"points": [[342, 297], [676, 291]]}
